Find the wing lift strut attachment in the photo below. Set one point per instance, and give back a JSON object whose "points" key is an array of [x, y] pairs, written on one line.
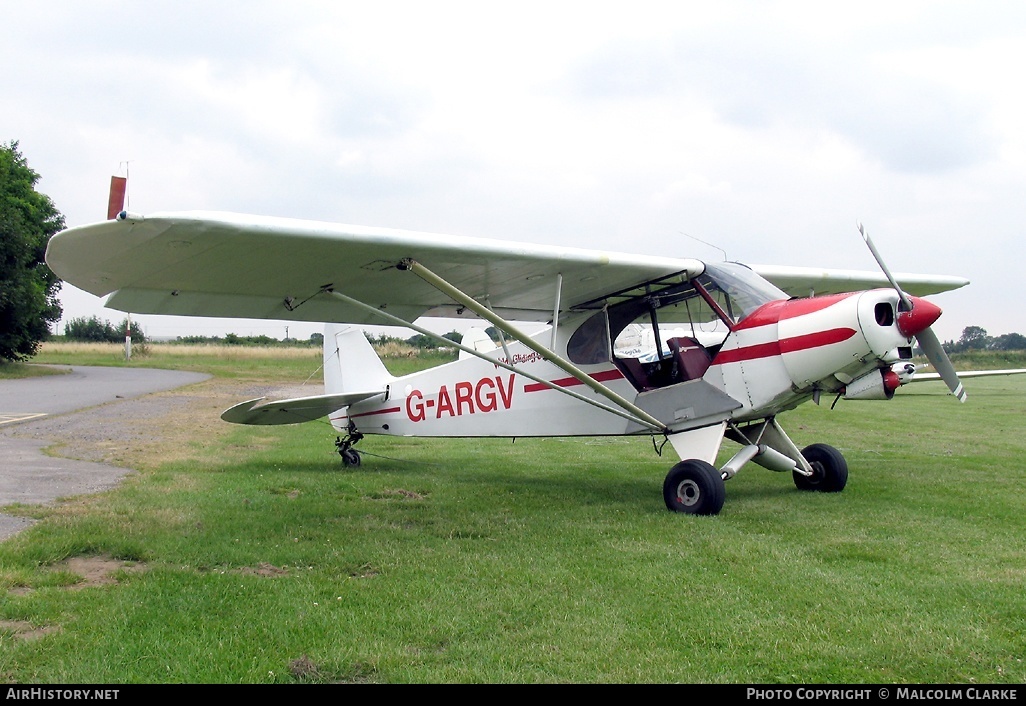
{"points": [[623, 407]]}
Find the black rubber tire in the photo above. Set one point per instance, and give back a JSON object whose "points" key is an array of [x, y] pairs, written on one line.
{"points": [[830, 470], [351, 458], [694, 487]]}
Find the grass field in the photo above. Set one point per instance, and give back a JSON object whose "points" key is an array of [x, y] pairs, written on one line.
{"points": [[254, 557]]}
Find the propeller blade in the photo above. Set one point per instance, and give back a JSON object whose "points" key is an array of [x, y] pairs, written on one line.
{"points": [[931, 346], [927, 339], [906, 304]]}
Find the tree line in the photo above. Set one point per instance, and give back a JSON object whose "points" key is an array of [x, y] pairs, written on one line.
{"points": [[975, 338], [96, 330]]}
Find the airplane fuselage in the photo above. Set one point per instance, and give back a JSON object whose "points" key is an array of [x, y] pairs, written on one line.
{"points": [[779, 356]]}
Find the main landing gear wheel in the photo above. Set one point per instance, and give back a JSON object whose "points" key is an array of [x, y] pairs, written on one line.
{"points": [[350, 458], [829, 470], [694, 487]]}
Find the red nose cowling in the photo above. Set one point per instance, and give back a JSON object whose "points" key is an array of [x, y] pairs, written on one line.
{"points": [[923, 314]]}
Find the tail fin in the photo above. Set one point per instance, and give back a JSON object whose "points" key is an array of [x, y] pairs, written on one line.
{"points": [[350, 363], [352, 373], [477, 339]]}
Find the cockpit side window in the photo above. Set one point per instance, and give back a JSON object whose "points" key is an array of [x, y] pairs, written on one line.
{"points": [[650, 330], [589, 344]]}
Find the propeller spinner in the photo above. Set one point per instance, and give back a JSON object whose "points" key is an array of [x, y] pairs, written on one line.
{"points": [[915, 318]]}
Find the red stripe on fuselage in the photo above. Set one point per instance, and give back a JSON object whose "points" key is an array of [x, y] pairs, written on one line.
{"points": [[787, 345], [776, 311], [389, 410], [604, 376]]}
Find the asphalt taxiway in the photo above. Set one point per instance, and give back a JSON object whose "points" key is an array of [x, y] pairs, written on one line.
{"points": [[29, 476]]}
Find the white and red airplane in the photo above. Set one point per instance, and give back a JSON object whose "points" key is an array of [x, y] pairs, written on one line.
{"points": [[748, 343]]}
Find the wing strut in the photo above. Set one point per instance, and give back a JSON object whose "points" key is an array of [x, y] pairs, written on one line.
{"points": [[654, 424], [485, 313], [555, 310]]}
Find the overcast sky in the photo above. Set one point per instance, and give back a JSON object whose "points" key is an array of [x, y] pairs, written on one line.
{"points": [[766, 129]]}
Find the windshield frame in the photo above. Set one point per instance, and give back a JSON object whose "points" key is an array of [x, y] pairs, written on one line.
{"points": [[747, 291]]}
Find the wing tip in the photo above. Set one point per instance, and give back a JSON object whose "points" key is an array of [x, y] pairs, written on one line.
{"points": [[243, 411]]}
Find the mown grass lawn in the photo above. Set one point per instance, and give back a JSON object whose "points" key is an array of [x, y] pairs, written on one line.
{"points": [[544, 560]]}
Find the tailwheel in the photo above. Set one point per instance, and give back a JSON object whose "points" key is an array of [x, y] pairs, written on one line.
{"points": [[694, 487], [344, 446], [829, 470]]}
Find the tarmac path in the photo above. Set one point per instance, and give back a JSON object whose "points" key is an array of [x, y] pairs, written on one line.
{"points": [[29, 476]]}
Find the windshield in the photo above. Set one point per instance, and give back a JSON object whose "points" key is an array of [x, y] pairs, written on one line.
{"points": [[745, 290]]}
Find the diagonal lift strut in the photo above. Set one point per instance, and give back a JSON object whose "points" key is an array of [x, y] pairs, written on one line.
{"points": [[484, 312]]}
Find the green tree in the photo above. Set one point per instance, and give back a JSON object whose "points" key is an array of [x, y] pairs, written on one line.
{"points": [[28, 289], [93, 329], [973, 338], [1009, 342], [138, 335], [423, 342]]}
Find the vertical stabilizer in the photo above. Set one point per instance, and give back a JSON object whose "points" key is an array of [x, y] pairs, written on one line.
{"points": [[350, 363], [477, 339]]}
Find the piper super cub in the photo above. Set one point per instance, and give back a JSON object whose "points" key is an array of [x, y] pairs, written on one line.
{"points": [[692, 351]]}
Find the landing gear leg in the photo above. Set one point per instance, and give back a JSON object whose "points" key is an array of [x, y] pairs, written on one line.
{"points": [[344, 445]]}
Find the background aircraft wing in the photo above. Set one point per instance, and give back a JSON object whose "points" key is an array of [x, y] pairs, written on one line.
{"points": [[926, 377]]}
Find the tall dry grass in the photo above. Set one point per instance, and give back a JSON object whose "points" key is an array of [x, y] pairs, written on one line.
{"points": [[283, 363], [220, 351], [389, 349]]}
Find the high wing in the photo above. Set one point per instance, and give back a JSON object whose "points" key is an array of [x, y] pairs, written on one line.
{"points": [[218, 264], [242, 266], [809, 281]]}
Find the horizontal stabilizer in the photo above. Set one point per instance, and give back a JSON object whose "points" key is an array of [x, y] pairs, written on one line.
{"points": [[294, 411]]}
